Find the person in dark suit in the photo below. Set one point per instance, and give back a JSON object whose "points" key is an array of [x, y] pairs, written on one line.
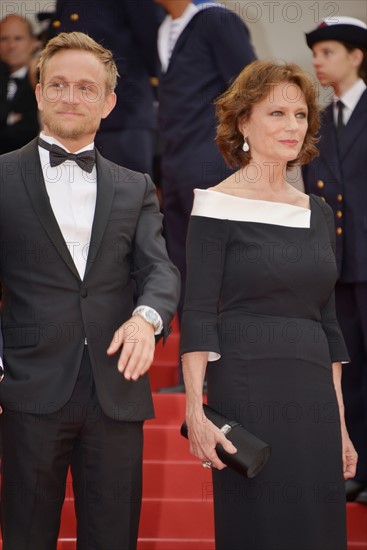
{"points": [[18, 106], [129, 29], [339, 175], [84, 272], [201, 49]]}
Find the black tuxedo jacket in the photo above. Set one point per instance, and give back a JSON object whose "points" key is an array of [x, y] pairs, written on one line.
{"points": [[48, 311], [24, 102], [339, 175]]}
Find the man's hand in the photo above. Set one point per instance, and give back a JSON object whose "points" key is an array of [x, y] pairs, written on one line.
{"points": [[136, 337]]}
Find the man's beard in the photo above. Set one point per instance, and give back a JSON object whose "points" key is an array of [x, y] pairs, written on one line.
{"points": [[62, 130]]}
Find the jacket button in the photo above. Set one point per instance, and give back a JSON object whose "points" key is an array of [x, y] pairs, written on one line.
{"points": [[339, 231], [339, 197], [84, 293], [74, 17], [56, 24], [339, 214], [320, 184], [323, 199]]}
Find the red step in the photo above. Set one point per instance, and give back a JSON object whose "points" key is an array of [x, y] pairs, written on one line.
{"points": [[164, 371], [176, 519], [169, 410], [357, 526], [177, 480], [165, 442]]}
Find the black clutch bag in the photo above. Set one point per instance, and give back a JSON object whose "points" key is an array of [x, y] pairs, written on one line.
{"points": [[252, 453]]}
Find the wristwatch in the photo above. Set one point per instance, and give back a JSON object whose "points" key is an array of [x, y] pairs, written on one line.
{"points": [[149, 315]]}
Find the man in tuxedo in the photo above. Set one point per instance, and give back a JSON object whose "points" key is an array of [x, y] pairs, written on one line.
{"points": [[18, 107], [87, 284]]}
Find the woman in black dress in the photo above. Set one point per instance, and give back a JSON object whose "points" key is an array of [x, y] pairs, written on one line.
{"points": [[260, 312]]}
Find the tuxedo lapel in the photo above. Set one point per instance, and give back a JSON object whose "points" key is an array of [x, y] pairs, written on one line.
{"points": [[35, 185], [355, 127], [105, 193], [328, 145]]}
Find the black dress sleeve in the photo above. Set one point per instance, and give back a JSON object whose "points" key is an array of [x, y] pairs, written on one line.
{"points": [[205, 250], [338, 349]]}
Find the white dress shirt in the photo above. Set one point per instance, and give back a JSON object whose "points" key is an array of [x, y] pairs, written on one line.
{"points": [[350, 100], [72, 193]]}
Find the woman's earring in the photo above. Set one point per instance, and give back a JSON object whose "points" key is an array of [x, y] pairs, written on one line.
{"points": [[245, 146]]}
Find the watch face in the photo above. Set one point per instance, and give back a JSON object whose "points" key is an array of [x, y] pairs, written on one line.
{"points": [[151, 316]]}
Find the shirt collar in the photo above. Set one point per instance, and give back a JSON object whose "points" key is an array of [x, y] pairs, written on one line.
{"points": [[190, 11], [52, 140], [351, 97], [19, 73], [185, 18]]}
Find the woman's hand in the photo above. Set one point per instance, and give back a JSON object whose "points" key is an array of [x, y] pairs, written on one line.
{"points": [[204, 436], [350, 456]]}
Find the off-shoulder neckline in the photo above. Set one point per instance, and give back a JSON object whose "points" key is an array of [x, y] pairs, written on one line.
{"points": [[219, 193]]}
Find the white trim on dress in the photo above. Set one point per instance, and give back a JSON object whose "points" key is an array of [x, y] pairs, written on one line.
{"points": [[222, 206]]}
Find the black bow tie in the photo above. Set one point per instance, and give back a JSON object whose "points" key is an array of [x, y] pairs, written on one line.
{"points": [[86, 160]]}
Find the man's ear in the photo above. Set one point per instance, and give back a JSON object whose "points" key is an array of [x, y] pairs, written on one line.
{"points": [[110, 102], [39, 97]]}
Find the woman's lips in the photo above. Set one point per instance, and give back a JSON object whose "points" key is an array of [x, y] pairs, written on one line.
{"points": [[289, 141]]}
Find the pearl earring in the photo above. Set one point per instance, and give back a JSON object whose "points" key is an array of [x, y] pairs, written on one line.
{"points": [[245, 146]]}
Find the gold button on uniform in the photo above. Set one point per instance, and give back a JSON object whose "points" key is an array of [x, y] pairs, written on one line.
{"points": [[323, 198], [339, 214], [339, 231], [74, 17], [320, 184], [339, 197], [56, 24]]}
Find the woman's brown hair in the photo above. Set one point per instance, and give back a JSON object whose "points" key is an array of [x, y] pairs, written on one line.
{"points": [[252, 86]]}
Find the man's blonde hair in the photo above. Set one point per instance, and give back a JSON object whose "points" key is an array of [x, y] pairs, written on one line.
{"points": [[82, 42]]}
